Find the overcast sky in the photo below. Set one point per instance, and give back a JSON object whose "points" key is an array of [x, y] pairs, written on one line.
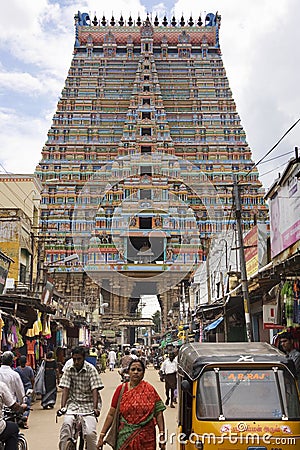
{"points": [[260, 47]]}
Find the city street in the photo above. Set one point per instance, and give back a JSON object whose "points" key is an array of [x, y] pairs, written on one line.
{"points": [[43, 432]]}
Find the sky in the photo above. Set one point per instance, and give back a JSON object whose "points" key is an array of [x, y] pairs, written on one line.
{"points": [[259, 42]]}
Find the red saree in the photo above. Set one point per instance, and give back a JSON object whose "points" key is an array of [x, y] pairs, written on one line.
{"points": [[138, 409]]}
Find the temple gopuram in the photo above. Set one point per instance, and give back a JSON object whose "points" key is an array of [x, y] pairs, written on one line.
{"points": [[138, 165]]}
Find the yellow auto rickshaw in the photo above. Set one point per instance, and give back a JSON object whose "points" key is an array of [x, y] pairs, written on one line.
{"points": [[237, 396]]}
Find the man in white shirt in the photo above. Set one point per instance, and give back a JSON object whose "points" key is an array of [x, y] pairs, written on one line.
{"points": [[11, 378], [9, 430], [169, 371], [112, 358]]}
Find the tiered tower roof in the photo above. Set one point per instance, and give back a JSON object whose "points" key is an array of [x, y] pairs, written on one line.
{"points": [[148, 108]]}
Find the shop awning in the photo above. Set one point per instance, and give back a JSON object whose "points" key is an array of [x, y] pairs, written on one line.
{"points": [[214, 324]]}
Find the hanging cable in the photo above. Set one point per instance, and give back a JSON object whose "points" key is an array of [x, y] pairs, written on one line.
{"points": [[273, 148], [12, 176], [277, 157]]}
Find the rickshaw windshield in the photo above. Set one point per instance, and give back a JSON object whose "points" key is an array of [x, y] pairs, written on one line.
{"points": [[247, 394]]}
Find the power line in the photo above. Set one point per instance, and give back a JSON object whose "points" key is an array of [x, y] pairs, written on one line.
{"points": [[273, 148], [12, 176], [272, 170], [277, 157], [22, 200]]}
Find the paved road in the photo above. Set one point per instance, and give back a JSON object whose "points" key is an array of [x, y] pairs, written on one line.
{"points": [[43, 432]]}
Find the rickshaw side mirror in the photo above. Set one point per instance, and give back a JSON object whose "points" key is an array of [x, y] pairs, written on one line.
{"points": [[186, 387]]}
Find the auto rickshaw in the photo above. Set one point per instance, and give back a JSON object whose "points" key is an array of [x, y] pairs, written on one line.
{"points": [[237, 396]]}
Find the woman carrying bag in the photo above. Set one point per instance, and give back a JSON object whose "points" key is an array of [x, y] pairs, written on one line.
{"points": [[136, 409]]}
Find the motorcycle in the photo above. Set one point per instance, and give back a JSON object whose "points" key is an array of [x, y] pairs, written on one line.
{"points": [[13, 416]]}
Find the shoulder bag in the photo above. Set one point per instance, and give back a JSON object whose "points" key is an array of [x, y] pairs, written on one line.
{"points": [[112, 435]]}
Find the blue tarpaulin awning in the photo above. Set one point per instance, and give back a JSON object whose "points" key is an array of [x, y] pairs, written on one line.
{"points": [[214, 324]]}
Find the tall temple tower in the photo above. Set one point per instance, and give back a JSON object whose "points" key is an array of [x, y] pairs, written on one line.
{"points": [[138, 165]]}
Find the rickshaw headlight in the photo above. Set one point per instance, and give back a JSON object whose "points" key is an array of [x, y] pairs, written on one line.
{"points": [[199, 445]]}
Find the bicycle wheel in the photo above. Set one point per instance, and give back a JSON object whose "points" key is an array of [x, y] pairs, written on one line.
{"points": [[22, 443], [70, 446]]}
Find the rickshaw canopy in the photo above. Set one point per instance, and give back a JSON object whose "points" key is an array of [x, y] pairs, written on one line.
{"points": [[193, 357]]}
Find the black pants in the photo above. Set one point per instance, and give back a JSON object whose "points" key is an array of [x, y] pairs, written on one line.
{"points": [[10, 436], [170, 386]]}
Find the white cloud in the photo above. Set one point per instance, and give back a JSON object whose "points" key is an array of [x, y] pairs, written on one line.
{"points": [[25, 83], [24, 139]]}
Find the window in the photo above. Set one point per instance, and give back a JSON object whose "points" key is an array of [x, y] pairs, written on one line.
{"points": [[145, 149], [22, 274], [146, 170], [146, 115], [146, 132], [246, 386], [146, 77], [146, 101], [145, 194], [146, 89]]}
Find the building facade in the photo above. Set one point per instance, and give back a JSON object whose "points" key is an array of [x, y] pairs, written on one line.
{"points": [[19, 222], [138, 163]]}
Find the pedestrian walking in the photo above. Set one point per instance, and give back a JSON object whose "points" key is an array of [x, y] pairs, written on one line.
{"points": [[51, 378], [112, 358], [27, 376], [103, 361], [11, 378], [169, 372], [135, 412]]}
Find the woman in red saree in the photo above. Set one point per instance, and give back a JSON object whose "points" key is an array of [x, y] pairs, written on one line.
{"points": [[141, 409]]}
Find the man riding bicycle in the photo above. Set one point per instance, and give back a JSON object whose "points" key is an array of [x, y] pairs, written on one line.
{"points": [[81, 384]]}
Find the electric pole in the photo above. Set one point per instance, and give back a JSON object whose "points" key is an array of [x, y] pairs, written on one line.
{"points": [[244, 280]]}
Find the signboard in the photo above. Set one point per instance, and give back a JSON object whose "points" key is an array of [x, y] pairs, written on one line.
{"points": [[269, 317], [47, 293], [108, 333], [244, 376], [284, 215], [255, 242]]}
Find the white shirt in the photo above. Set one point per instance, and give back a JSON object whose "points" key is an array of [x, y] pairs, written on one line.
{"points": [[169, 366], [6, 399], [112, 357], [67, 364], [13, 381]]}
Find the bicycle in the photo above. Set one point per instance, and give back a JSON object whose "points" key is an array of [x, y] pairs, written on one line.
{"points": [[76, 441], [12, 416]]}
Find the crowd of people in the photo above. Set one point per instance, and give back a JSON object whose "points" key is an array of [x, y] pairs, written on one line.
{"points": [[80, 382], [136, 409]]}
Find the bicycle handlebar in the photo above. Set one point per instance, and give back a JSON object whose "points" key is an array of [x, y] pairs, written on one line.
{"points": [[64, 411]]}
